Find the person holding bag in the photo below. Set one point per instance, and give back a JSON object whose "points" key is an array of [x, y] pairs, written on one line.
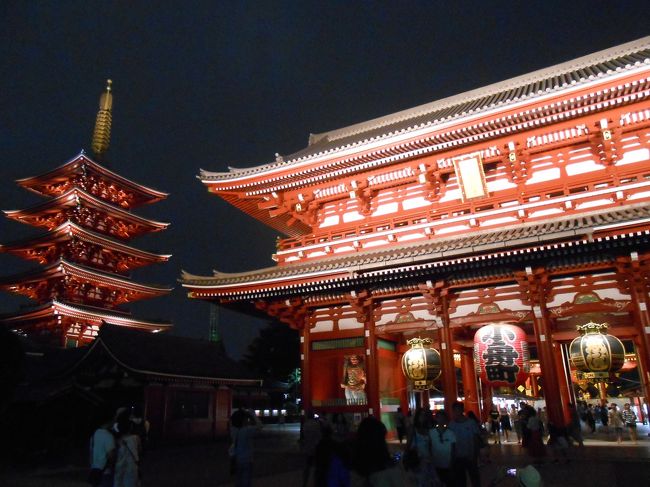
{"points": [[127, 466]]}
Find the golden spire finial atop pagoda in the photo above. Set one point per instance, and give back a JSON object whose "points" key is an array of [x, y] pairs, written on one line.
{"points": [[102, 133]]}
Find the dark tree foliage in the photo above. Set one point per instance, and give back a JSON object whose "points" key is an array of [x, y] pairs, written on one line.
{"points": [[275, 353]]}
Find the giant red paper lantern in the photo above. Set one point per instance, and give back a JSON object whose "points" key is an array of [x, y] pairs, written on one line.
{"points": [[501, 356]]}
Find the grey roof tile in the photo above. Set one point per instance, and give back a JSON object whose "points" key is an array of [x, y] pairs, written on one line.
{"points": [[435, 249], [537, 83]]}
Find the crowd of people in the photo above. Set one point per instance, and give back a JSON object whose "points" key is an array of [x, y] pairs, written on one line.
{"points": [[439, 449], [442, 450], [612, 418]]}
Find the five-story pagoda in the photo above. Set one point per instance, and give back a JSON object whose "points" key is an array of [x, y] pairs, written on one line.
{"points": [[85, 259]]}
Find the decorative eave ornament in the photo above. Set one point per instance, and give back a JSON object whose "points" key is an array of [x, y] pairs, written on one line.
{"points": [[421, 365], [102, 133], [595, 353]]}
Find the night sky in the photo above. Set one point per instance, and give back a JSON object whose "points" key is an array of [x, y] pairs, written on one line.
{"points": [[208, 84]]}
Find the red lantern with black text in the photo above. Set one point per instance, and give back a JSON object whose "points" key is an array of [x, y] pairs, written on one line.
{"points": [[501, 356]]}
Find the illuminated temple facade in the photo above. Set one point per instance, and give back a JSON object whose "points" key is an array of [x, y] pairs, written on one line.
{"points": [[525, 202], [84, 256]]}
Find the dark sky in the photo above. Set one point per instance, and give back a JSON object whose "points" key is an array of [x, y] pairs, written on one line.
{"points": [[208, 84]]}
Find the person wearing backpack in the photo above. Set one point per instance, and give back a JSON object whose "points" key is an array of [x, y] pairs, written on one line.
{"points": [[102, 455]]}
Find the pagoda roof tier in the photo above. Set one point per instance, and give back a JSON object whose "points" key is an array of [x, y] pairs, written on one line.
{"points": [[86, 314], [609, 64], [333, 272], [114, 221], [84, 173], [115, 290], [45, 249]]}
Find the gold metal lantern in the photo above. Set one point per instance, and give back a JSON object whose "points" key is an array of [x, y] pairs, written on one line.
{"points": [[595, 353], [421, 364]]}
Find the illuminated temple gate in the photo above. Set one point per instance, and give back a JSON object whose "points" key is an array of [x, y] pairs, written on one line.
{"points": [[526, 202]]}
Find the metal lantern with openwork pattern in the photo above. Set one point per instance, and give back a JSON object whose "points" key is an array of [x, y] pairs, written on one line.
{"points": [[421, 363], [501, 356], [596, 353]]}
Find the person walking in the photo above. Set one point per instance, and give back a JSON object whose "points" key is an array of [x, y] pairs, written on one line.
{"points": [[312, 433], [373, 461], [616, 421], [575, 426], [494, 424], [443, 449], [467, 446], [400, 425], [243, 426], [629, 418], [543, 417], [524, 414], [591, 418], [514, 421], [534, 441], [559, 443], [420, 442], [331, 467], [604, 416], [102, 455], [504, 422], [127, 466]]}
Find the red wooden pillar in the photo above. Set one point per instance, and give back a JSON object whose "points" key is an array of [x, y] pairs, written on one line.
{"points": [[547, 362], [469, 382], [372, 366], [565, 394], [402, 383], [644, 374], [486, 396], [447, 357], [602, 392], [639, 293], [534, 387], [642, 414], [305, 366]]}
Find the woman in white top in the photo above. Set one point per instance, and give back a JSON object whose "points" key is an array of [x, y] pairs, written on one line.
{"points": [[128, 456], [616, 421]]}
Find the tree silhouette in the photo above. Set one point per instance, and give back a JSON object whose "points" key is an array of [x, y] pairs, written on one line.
{"points": [[275, 353]]}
